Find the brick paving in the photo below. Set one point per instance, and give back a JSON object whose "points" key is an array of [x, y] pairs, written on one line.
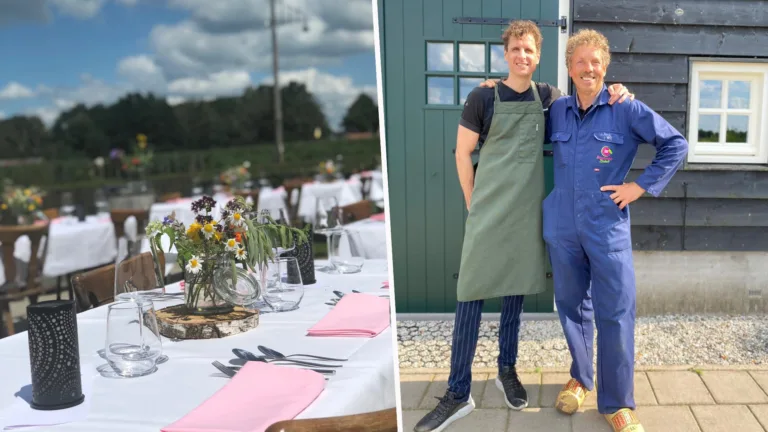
{"points": [[669, 399]]}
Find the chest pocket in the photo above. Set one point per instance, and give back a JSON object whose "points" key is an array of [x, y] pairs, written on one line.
{"points": [[607, 146], [561, 147]]}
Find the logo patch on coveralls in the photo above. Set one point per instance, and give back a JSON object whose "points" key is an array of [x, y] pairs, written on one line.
{"points": [[605, 155]]}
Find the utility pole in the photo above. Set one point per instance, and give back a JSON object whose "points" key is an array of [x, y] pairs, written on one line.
{"points": [[278, 106]]}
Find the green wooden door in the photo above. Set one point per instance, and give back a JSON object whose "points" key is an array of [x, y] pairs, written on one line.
{"points": [[430, 63]]}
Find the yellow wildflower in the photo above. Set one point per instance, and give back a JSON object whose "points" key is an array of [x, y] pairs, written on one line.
{"points": [[31, 207], [27, 192], [4, 206]]}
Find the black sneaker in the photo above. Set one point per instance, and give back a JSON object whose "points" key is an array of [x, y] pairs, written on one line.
{"points": [[514, 392], [447, 411]]}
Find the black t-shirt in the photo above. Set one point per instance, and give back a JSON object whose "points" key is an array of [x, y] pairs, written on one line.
{"points": [[478, 109]]}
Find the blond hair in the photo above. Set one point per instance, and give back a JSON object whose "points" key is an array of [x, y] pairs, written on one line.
{"points": [[519, 29], [591, 38]]}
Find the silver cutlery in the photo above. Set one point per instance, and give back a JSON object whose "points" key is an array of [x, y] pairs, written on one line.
{"points": [[278, 355], [230, 371], [247, 355]]}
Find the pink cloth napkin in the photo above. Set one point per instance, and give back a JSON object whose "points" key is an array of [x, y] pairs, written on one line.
{"points": [[257, 397], [378, 217], [385, 284], [355, 315]]}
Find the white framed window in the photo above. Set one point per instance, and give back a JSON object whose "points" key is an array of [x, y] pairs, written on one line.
{"points": [[728, 112]]}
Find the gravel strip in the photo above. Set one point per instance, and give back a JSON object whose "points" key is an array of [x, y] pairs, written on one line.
{"points": [[659, 341]]}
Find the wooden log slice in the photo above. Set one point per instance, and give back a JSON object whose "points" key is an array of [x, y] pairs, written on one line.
{"points": [[175, 322]]}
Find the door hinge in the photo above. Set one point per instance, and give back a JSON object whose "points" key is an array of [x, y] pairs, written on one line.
{"points": [[562, 23]]}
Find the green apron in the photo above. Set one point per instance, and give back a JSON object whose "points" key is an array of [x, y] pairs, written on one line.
{"points": [[503, 252]]}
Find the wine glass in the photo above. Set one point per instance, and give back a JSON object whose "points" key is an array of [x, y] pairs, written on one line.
{"points": [[288, 290], [328, 220]]}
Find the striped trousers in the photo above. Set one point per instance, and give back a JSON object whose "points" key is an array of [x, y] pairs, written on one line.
{"points": [[465, 334]]}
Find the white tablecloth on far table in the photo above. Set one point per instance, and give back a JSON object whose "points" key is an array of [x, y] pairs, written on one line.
{"points": [[369, 237], [73, 246], [344, 191], [365, 383], [376, 193]]}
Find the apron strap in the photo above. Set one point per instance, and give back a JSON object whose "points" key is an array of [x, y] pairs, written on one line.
{"points": [[535, 92], [496, 91]]}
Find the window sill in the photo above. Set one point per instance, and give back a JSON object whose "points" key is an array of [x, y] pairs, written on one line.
{"points": [[723, 167]]}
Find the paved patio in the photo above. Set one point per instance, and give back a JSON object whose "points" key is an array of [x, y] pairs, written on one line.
{"points": [[671, 399]]}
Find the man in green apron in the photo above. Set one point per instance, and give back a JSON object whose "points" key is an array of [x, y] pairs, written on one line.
{"points": [[503, 253]]}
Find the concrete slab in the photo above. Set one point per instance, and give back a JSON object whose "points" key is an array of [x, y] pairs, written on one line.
{"points": [[679, 388], [413, 387], [726, 418], [538, 420], [667, 418], [734, 387]]}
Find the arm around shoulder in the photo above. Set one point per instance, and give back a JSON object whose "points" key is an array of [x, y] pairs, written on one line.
{"points": [[671, 147]]}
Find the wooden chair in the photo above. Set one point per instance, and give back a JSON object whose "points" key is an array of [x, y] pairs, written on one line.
{"points": [[51, 213], [95, 288], [290, 186], [357, 211], [170, 196], [119, 217], [29, 285], [377, 421]]}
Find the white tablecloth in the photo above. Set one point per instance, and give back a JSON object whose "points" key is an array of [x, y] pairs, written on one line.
{"points": [[376, 193], [365, 383], [370, 239], [344, 191], [73, 246]]}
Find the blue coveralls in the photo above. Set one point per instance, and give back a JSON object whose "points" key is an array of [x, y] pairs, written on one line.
{"points": [[588, 236]]}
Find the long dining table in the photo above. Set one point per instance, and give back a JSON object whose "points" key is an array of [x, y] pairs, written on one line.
{"points": [[365, 383]]}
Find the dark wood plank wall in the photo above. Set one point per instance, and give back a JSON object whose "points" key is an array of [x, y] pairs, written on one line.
{"points": [[704, 207]]}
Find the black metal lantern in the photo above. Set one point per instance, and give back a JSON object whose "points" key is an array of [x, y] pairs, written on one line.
{"points": [[54, 355]]}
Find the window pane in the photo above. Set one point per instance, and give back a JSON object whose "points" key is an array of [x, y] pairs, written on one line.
{"points": [[738, 94], [498, 63], [709, 128], [439, 56], [440, 91], [710, 94], [738, 126], [471, 58], [466, 85]]}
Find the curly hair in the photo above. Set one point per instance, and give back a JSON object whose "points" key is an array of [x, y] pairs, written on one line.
{"points": [[521, 28], [588, 37]]}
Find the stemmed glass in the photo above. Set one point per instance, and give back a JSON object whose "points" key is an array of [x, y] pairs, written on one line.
{"points": [[136, 275]]}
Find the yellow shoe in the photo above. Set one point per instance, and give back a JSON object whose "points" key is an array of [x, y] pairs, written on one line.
{"points": [[571, 397], [624, 420]]}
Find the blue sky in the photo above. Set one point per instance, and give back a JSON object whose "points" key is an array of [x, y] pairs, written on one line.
{"points": [[94, 51]]}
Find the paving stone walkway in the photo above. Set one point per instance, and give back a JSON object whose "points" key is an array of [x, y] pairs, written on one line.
{"points": [[669, 399]]}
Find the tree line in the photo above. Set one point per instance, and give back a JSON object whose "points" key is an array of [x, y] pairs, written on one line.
{"points": [[242, 120]]}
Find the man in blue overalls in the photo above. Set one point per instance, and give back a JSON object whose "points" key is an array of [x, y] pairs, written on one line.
{"points": [[587, 227]]}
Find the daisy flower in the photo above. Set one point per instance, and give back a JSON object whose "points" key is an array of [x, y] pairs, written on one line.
{"points": [[232, 245], [236, 219], [194, 265], [241, 254], [209, 230]]}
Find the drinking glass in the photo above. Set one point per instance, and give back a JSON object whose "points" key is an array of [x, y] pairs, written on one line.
{"points": [[133, 344], [101, 203], [288, 290], [345, 251], [328, 220], [67, 208]]}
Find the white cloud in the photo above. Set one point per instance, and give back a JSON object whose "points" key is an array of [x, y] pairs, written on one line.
{"points": [[334, 93], [2, 115], [175, 100], [12, 12], [82, 9], [14, 90], [47, 114], [219, 83], [231, 34], [142, 71]]}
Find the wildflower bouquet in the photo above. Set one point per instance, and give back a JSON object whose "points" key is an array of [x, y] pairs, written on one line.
{"points": [[20, 204], [209, 244], [236, 176], [138, 162]]}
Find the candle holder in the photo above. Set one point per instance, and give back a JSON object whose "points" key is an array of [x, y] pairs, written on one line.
{"points": [[54, 355]]}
